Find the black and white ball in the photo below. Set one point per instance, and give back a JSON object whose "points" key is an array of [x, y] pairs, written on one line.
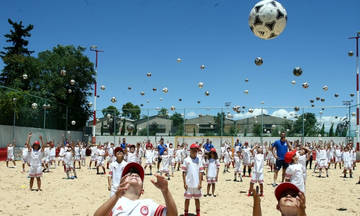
{"points": [[201, 84], [202, 67], [25, 76], [178, 60], [350, 53], [305, 85], [207, 93], [267, 19], [72, 82], [34, 106], [165, 90], [154, 89], [102, 87], [325, 87], [113, 99], [297, 71], [142, 93], [69, 91], [246, 91], [251, 110], [73, 122], [148, 74], [172, 108], [259, 61]]}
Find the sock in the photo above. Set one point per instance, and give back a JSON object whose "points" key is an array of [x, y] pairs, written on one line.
{"points": [[244, 170], [249, 171]]}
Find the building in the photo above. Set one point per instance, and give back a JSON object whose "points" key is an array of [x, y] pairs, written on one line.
{"points": [[158, 125], [106, 126], [206, 125]]}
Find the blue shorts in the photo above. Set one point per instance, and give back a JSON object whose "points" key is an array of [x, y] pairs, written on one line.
{"points": [[281, 163]]}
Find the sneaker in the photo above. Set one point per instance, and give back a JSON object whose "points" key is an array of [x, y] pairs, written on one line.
{"points": [[350, 175], [274, 184], [262, 194], [235, 180], [358, 182], [249, 194]]}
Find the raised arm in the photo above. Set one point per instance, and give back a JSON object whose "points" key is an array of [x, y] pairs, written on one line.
{"points": [[257, 203], [42, 143], [162, 184], [28, 141]]}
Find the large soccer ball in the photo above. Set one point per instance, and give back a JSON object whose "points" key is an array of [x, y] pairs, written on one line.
{"points": [[297, 71], [165, 90], [267, 19], [73, 122], [113, 99], [34, 106], [258, 61], [130, 128]]}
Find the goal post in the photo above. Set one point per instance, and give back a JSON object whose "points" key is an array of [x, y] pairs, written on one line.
{"points": [[216, 140]]}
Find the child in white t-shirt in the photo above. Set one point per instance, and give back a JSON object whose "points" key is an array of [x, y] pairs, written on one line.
{"points": [[192, 177], [303, 156], [10, 154], [149, 157], [69, 161], [25, 157], [295, 172], [227, 159], [347, 158], [77, 155], [323, 160], [93, 155], [238, 162], [212, 166], [116, 169], [132, 155], [100, 159], [171, 152], [83, 155], [178, 157], [165, 163], [52, 155], [109, 154], [258, 171], [35, 155]]}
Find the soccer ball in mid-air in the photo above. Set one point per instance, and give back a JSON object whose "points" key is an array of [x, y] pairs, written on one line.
{"points": [[267, 19]]}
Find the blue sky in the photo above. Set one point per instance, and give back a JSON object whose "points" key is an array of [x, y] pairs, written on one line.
{"points": [[140, 36]]}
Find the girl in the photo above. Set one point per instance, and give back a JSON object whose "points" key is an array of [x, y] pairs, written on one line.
{"points": [[35, 156], [77, 155], [100, 159], [10, 154], [46, 158], [212, 167], [165, 162], [303, 155], [238, 162], [246, 159], [172, 158], [69, 161], [347, 158], [25, 157], [178, 158], [83, 155], [149, 156], [227, 159], [323, 162], [295, 171], [52, 154], [258, 172], [272, 160]]}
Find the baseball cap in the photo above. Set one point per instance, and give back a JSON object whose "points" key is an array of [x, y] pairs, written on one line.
{"points": [[194, 146], [289, 155], [212, 150], [36, 143], [284, 187], [131, 167], [118, 149]]}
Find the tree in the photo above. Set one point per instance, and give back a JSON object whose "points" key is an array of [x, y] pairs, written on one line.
{"points": [[177, 123], [163, 112], [257, 130], [112, 110], [322, 131], [245, 132], [310, 125], [331, 131], [233, 130], [153, 128], [219, 123], [131, 111]]}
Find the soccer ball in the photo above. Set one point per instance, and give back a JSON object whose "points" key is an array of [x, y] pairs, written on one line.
{"points": [[350, 53], [63, 72], [325, 88], [180, 99], [69, 91], [73, 122], [207, 93], [317, 98], [297, 71], [201, 84], [246, 80], [90, 104], [352, 95], [129, 88], [311, 101], [178, 60], [246, 91], [258, 61], [25, 76], [102, 87], [154, 89], [296, 108], [202, 67], [34, 106], [251, 110], [293, 82], [322, 99], [267, 19], [142, 93], [148, 74], [165, 90], [198, 102], [72, 82], [113, 99], [172, 108], [305, 85]]}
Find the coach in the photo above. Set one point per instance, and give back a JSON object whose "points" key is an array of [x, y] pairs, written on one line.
{"points": [[279, 149]]}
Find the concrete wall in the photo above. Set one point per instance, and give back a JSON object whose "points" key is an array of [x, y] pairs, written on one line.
{"points": [[6, 136]]}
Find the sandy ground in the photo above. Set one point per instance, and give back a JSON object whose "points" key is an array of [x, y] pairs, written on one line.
{"points": [[84, 195]]}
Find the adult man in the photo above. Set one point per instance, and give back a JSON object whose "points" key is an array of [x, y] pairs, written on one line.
{"points": [[279, 149], [291, 202], [123, 145], [161, 148], [238, 145], [208, 146], [126, 200]]}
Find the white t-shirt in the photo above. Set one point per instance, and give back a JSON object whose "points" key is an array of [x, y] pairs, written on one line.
{"points": [[178, 153], [171, 152], [10, 150], [338, 153], [115, 172], [111, 151], [62, 152], [259, 163], [35, 158], [100, 154], [83, 152], [52, 152], [68, 157], [46, 152], [132, 157], [165, 162], [346, 156], [25, 152], [295, 173], [212, 167], [93, 150], [192, 168], [145, 207], [77, 151], [322, 154]]}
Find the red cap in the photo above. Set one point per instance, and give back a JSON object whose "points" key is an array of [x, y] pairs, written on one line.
{"points": [[135, 166], [194, 146], [212, 150], [284, 187], [289, 155], [118, 149], [36, 143]]}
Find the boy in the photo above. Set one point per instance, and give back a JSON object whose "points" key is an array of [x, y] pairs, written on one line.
{"points": [[69, 161], [238, 163], [116, 169], [52, 154], [100, 159], [258, 172], [192, 177], [10, 154]]}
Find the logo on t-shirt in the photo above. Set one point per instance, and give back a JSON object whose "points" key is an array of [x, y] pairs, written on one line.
{"points": [[119, 208], [144, 210]]}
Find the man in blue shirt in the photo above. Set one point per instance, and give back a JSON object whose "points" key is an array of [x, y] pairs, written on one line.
{"points": [[123, 145], [161, 148], [279, 149], [238, 145], [208, 146]]}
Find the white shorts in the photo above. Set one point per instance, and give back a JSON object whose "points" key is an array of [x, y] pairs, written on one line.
{"points": [[52, 158], [237, 168], [192, 193], [337, 159], [178, 160], [348, 165], [247, 162], [24, 159], [82, 157], [257, 177], [77, 158], [61, 158], [10, 158], [323, 163], [69, 166], [149, 161], [100, 163], [93, 158], [35, 171]]}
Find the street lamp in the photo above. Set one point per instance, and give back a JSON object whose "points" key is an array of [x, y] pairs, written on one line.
{"points": [[45, 107], [94, 49], [14, 120]]}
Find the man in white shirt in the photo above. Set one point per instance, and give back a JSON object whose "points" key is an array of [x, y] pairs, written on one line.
{"points": [[126, 199]]}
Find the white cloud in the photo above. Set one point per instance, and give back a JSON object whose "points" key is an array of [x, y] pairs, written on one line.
{"points": [[281, 113], [191, 114], [248, 114]]}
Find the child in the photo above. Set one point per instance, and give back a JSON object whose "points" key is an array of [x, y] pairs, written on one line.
{"points": [[272, 159], [192, 177], [171, 152], [303, 156], [246, 159], [149, 156], [77, 155], [10, 154], [100, 159], [347, 158], [165, 162], [295, 171], [35, 156], [83, 155], [178, 157], [323, 162], [46, 158], [52, 154], [132, 155], [25, 157], [227, 159], [69, 161], [93, 156], [238, 162], [212, 171], [258, 172], [110, 154], [116, 169], [338, 156]]}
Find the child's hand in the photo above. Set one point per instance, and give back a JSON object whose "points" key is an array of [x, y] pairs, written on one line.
{"points": [[30, 134], [121, 189], [301, 201], [40, 137], [255, 194], [160, 183], [185, 186], [199, 186], [109, 188]]}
